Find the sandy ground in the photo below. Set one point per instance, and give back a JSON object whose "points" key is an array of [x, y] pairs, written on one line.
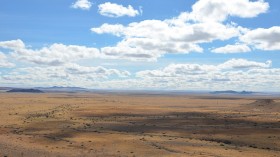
{"points": [[63, 124]]}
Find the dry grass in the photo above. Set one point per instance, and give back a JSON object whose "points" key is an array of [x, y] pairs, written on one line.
{"points": [[136, 125]]}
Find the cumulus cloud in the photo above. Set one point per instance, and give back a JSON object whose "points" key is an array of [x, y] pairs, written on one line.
{"points": [[4, 63], [145, 49], [55, 54], [234, 74], [151, 39], [179, 70], [263, 39], [100, 71], [115, 10], [168, 30], [219, 10], [116, 29], [237, 48], [244, 64], [12, 44], [71, 74], [82, 4]]}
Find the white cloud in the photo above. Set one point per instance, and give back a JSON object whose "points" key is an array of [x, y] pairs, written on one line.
{"points": [[219, 10], [243, 64], [264, 39], [12, 44], [180, 70], [168, 30], [3, 61], [145, 49], [116, 29], [115, 10], [236, 74], [99, 71], [151, 39], [82, 4], [236, 79], [237, 48], [55, 54], [69, 74]]}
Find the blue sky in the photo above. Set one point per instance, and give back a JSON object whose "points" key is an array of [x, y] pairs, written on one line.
{"points": [[140, 44]]}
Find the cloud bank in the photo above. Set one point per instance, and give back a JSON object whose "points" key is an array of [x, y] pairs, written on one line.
{"points": [[150, 41]]}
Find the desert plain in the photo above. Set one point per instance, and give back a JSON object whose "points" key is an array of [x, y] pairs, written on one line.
{"points": [[138, 125]]}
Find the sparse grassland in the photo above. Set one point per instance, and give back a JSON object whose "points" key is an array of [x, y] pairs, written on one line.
{"points": [[88, 124]]}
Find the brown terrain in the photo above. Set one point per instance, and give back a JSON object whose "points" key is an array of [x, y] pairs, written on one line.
{"points": [[90, 124]]}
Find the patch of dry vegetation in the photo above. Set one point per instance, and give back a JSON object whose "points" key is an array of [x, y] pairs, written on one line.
{"points": [[137, 125]]}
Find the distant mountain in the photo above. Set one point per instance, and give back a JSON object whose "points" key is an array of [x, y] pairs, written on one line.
{"points": [[62, 89], [232, 92], [16, 90], [6, 88]]}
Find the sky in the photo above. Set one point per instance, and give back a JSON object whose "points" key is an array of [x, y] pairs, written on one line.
{"points": [[141, 44]]}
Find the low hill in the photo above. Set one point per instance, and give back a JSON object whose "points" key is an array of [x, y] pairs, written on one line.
{"points": [[17, 90], [232, 92], [264, 105]]}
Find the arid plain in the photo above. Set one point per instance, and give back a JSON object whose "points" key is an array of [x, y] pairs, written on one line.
{"points": [[92, 124]]}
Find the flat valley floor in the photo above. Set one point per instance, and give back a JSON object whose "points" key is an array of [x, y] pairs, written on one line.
{"points": [[91, 124]]}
